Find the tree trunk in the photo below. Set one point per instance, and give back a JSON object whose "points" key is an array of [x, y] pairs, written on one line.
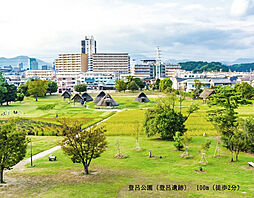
{"points": [[7, 103], [86, 169], [232, 156], [36, 98], [236, 156], [1, 175]]}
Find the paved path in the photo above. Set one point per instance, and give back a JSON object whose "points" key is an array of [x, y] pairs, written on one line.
{"points": [[20, 166]]}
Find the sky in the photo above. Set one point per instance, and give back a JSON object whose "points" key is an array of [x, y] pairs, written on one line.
{"points": [[217, 30]]}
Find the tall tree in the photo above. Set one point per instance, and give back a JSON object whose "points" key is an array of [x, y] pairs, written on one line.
{"points": [[197, 91], [23, 88], [245, 89], [165, 119], [121, 85], [52, 87], [3, 89], [80, 88], [11, 93], [13, 145], [37, 88], [139, 82], [165, 85], [225, 118], [133, 86], [83, 145]]}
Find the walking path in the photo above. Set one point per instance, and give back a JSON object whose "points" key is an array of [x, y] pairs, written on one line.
{"points": [[21, 165]]}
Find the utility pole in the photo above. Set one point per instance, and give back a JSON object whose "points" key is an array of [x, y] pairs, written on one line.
{"points": [[31, 165], [158, 63]]}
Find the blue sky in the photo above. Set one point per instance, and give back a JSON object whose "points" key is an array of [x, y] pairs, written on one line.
{"points": [[192, 29]]}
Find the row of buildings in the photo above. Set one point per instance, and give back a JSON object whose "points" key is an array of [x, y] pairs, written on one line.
{"points": [[100, 70]]}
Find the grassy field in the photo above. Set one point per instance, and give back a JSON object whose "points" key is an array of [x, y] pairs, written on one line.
{"points": [[111, 177]]}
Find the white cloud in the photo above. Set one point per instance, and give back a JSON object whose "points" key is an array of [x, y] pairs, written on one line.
{"points": [[242, 7]]}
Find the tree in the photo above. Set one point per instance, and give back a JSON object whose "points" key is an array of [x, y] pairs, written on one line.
{"points": [[247, 126], [205, 147], [20, 97], [225, 118], [133, 86], [83, 145], [120, 85], [186, 142], [52, 87], [80, 88], [165, 119], [165, 85], [13, 145], [23, 88], [10, 93], [197, 91], [156, 85], [245, 89], [178, 141], [3, 89], [37, 88], [139, 82]]}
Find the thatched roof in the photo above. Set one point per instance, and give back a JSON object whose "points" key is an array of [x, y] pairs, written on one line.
{"points": [[107, 100], [206, 94], [87, 97], [77, 98], [66, 94], [141, 98], [99, 97]]}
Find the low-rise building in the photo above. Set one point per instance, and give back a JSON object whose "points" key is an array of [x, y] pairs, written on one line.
{"points": [[40, 74]]}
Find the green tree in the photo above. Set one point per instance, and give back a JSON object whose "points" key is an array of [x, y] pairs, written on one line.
{"points": [[23, 88], [225, 118], [121, 85], [245, 89], [83, 145], [197, 91], [3, 89], [13, 145], [20, 97], [11, 93], [80, 88], [178, 141], [133, 86], [165, 119], [156, 85], [247, 126], [139, 82], [165, 85], [37, 88], [52, 87]]}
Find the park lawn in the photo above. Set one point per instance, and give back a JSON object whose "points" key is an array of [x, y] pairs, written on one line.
{"points": [[111, 177], [42, 143]]}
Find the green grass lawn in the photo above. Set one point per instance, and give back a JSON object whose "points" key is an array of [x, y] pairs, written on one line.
{"points": [[111, 177], [42, 143]]}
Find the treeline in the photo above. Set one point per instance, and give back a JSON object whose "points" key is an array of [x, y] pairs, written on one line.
{"points": [[200, 66], [34, 87]]}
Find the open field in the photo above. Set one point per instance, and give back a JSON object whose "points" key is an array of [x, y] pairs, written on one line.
{"points": [[111, 177]]}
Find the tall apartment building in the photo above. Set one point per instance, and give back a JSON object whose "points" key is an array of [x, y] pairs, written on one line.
{"points": [[33, 64], [172, 70], [73, 63], [111, 62], [88, 46]]}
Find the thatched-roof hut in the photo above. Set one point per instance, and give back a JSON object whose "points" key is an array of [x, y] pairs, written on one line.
{"points": [[205, 95], [99, 97], [77, 98], [66, 94], [107, 101], [141, 98], [87, 97]]}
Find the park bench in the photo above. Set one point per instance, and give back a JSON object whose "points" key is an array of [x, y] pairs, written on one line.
{"points": [[251, 164], [52, 158]]}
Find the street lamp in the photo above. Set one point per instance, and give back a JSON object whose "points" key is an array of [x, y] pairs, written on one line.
{"points": [[31, 165]]}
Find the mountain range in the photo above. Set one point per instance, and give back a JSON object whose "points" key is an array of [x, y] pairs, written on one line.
{"points": [[14, 62]]}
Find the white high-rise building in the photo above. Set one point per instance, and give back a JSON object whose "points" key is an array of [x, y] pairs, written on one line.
{"points": [[88, 46]]}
